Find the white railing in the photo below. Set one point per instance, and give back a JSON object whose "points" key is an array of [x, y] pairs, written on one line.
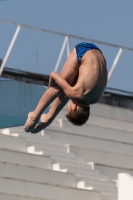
{"points": [[66, 43]]}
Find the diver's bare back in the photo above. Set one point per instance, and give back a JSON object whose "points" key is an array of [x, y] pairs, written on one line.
{"points": [[92, 75]]}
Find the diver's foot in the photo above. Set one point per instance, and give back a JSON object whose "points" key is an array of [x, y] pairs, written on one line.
{"points": [[43, 118], [30, 123], [43, 124]]}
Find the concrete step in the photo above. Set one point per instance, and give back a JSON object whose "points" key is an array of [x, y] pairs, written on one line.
{"points": [[101, 182], [77, 169], [25, 159], [36, 175], [12, 143], [53, 154], [38, 137], [33, 190], [43, 141], [35, 137], [112, 112], [97, 187], [105, 196], [106, 111], [112, 172], [20, 131], [79, 172], [103, 157], [47, 145], [70, 156], [16, 197], [102, 122], [97, 176], [92, 143], [73, 163], [93, 131], [56, 123], [77, 159]]}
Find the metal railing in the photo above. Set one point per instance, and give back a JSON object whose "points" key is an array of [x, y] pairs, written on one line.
{"points": [[65, 44]]}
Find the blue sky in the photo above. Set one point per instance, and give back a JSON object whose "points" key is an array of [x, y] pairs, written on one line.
{"points": [[108, 21]]}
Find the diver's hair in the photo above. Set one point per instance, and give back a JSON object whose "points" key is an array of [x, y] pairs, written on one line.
{"points": [[80, 116]]}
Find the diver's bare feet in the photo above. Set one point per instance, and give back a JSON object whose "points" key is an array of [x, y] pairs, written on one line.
{"points": [[30, 123], [44, 118], [43, 124]]}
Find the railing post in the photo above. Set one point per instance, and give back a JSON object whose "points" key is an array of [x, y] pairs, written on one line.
{"points": [[68, 47], [115, 63], [61, 53], [9, 49]]}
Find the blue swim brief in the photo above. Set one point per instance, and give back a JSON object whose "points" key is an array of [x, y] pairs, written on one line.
{"points": [[82, 48]]}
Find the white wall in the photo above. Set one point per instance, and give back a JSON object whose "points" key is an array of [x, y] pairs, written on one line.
{"points": [[125, 186]]}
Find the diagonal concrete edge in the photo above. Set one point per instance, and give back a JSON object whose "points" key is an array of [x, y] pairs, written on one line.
{"points": [[17, 99]]}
